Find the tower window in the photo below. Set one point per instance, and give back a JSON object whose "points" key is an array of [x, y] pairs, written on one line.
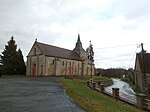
{"points": [[63, 63], [78, 65], [53, 62]]}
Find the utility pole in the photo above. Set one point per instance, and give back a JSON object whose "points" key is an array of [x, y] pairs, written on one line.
{"points": [[144, 79]]}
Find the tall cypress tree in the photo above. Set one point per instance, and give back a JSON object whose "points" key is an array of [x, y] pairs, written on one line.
{"points": [[12, 59]]}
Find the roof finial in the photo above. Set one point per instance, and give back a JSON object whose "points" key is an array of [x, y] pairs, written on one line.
{"points": [[90, 42], [36, 39], [78, 35], [78, 38], [143, 51]]}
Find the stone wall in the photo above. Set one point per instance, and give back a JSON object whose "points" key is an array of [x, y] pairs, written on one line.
{"points": [[41, 65], [59, 66], [70, 67], [106, 83], [46, 66]]}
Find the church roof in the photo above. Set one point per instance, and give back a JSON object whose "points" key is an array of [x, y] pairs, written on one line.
{"points": [[54, 51], [146, 66]]}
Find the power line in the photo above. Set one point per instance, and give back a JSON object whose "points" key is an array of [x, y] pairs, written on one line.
{"points": [[121, 56], [120, 46], [132, 57], [118, 56], [116, 46]]}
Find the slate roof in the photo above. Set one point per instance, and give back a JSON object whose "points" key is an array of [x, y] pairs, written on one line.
{"points": [[146, 65], [54, 51]]}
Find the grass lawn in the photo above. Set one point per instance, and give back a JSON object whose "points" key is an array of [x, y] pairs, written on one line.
{"points": [[93, 101]]}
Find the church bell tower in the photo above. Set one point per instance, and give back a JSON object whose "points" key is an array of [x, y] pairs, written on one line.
{"points": [[79, 49]]}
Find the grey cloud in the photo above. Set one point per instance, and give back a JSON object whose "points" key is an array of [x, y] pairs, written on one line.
{"points": [[132, 9], [19, 18], [30, 19], [130, 27]]}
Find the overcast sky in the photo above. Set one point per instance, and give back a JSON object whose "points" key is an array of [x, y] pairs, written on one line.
{"points": [[115, 27]]}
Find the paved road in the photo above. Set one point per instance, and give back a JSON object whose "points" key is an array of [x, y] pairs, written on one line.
{"points": [[29, 94]]}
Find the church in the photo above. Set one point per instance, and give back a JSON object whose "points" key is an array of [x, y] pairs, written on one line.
{"points": [[47, 60]]}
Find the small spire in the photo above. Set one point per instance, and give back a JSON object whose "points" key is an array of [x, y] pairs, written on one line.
{"points": [[78, 41], [78, 47], [36, 39]]}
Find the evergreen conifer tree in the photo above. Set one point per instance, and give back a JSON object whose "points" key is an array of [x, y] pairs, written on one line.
{"points": [[21, 69], [12, 60]]}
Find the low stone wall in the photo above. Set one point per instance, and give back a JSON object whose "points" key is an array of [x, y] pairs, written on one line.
{"points": [[106, 83], [99, 85]]}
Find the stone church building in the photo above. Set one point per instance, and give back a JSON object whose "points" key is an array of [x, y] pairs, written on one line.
{"points": [[46, 60]]}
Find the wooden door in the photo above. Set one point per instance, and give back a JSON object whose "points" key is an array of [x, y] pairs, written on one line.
{"points": [[34, 70]]}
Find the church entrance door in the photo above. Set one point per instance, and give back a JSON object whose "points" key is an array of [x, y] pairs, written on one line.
{"points": [[34, 70]]}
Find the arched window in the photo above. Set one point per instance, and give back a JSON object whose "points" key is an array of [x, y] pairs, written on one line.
{"points": [[62, 63], [78, 64], [53, 62]]}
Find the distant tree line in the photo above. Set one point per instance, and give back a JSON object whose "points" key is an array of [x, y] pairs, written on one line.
{"points": [[116, 73], [11, 60]]}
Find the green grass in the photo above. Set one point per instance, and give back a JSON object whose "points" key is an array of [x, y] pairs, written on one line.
{"points": [[96, 78], [93, 101]]}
